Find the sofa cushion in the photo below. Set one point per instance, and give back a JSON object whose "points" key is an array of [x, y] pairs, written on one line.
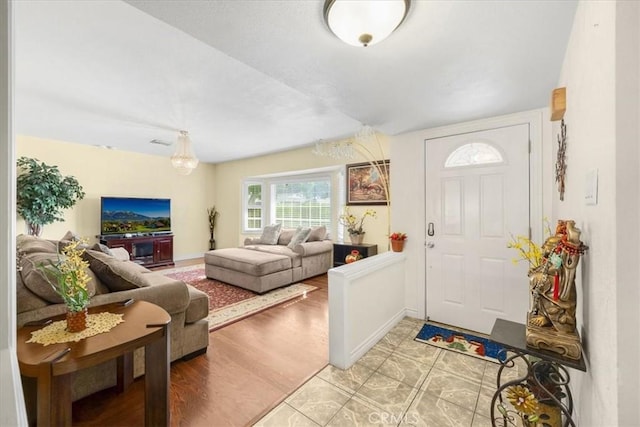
{"points": [[270, 234], [296, 259], [252, 262], [25, 299], [301, 236], [317, 234], [39, 283], [198, 305], [117, 275]]}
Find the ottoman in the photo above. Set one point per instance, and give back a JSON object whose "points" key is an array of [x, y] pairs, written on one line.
{"points": [[253, 270]]}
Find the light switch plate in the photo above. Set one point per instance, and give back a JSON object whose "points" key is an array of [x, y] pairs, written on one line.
{"points": [[591, 188]]}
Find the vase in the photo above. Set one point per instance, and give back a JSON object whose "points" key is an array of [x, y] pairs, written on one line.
{"points": [[77, 320], [397, 245], [212, 241], [356, 239], [353, 256]]}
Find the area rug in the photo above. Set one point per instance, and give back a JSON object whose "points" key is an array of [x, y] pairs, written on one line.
{"points": [[461, 342], [227, 303]]}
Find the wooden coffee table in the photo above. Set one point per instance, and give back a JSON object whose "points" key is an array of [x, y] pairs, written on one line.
{"points": [[52, 366]]}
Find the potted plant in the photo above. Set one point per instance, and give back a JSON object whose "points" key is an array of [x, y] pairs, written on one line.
{"points": [[42, 193], [354, 225], [397, 241], [70, 283]]}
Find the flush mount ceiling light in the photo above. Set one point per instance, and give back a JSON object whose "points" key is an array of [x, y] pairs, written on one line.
{"points": [[183, 159], [364, 22]]}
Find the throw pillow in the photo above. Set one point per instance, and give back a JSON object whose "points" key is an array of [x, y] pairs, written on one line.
{"points": [[30, 244], [270, 234], [102, 248], [40, 283], [301, 236], [117, 275], [317, 234], [286, 234], [70, 236]]}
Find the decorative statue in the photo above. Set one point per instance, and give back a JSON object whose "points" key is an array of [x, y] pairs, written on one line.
{"points": [[552, 320]]}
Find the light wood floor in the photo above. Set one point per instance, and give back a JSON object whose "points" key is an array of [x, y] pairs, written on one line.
{"points": [[250, 366]]}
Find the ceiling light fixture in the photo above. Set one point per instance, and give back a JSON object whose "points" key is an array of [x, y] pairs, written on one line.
{"points": [[183, 159], [364, 22]]}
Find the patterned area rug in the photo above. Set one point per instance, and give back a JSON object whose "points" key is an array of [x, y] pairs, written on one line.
{"points": [[227, 303], [461, 342]]}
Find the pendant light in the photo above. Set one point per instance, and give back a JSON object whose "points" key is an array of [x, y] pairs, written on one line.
{"points": [[183, 159]]}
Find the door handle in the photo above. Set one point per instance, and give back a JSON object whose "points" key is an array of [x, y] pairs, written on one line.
{"points": [[431, 245]]}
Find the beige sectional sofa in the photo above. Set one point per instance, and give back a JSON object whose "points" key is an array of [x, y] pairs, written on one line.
{"points": [[265, 264], [112, 280]]}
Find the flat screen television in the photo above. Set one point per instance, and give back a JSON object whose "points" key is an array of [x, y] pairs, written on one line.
{"points": [[123, 215]]}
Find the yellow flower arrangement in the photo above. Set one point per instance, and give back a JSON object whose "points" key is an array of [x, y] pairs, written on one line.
{"points": [[527, 249], [353, 224], [71, 276]]}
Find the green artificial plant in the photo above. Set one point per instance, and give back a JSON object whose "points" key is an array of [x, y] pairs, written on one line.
{"points": [[42, 193]]}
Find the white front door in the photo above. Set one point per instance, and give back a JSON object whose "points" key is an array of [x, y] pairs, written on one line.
{"points": [[477, 196]]}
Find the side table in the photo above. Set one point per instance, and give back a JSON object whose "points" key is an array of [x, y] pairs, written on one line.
{"points": [[48, 398], [341, 250], [546, 374]]}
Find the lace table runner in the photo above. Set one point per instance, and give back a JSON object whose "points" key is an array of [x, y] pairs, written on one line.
{"points": [[56, 332]]}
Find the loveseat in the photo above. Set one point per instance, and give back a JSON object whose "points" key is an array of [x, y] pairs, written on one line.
{"points": [[277, 258], [111, 280]]}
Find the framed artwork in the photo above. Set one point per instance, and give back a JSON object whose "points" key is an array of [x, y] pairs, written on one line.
{"points": [[367, 183]]}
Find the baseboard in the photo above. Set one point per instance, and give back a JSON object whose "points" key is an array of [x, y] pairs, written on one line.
{"points": [[367, 344]]}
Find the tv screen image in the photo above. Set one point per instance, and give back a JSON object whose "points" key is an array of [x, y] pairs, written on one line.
{"points": [[121, 215]]}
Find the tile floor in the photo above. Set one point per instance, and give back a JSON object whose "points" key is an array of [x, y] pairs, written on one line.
{"points": [[399, 382]]}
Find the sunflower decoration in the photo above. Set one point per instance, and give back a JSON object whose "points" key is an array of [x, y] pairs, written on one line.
{"points": [[522, 399]]}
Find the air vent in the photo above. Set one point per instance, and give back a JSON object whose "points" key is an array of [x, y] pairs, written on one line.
{"points": [[158, 142]]}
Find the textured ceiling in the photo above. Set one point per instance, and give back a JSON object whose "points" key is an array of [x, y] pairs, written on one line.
{"points": [[247, 78]]}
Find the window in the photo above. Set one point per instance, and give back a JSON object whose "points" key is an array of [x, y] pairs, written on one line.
{"points": [[302, 203], [253, 206], [292, 200], [475, 153]]}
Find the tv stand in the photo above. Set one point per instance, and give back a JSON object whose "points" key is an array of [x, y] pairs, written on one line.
{"points": [[148, 251]]}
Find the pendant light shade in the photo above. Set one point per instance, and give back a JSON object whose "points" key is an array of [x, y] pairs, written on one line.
{"points": [[183, 159], [364, 22]]}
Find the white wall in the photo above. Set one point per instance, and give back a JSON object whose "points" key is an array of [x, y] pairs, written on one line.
{"points": [[366, 300], [628, 208], [104, 172], [408, 189], [12, 411], [600, 72]]}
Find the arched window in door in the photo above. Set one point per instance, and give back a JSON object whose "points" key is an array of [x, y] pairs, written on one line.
{"points": [[474, 154]]}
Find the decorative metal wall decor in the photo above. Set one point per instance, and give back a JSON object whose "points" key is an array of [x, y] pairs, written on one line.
{"points": [[561, 165]]}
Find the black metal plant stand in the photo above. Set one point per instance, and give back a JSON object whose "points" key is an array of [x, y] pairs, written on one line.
{"points": [[546, 375]]}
